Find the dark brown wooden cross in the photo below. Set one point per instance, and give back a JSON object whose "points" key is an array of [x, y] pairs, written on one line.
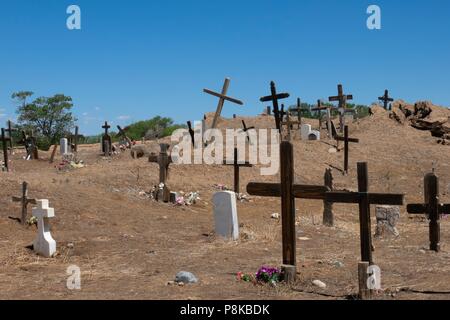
{"points": [[298, 109], [328, 218], [191, 132], [163, 160], [386, 99], [328, 108], [106, 140], [342, 99], [364, 199], [432, 208], [246, 129], [222, 98], [5, 141], [25, 202], [123, 134], [73, 140], [346, 140], [236, 164], [274, 97], [10, 131], [288, 191]]}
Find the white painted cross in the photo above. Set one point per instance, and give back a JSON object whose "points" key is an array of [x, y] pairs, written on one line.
{"points": [[44, 244]]}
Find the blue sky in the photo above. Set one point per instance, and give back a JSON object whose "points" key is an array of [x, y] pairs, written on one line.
{"points": [[136, 59]]}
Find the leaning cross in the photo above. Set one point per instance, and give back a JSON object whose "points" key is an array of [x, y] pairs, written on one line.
{"points": [[123, 134], [386, 99], [44, 244], [25, 201], [364, 199], [10, 131], [288, 191], [74, 140], [274, 97], [163, 160], [346, 140], [432, 208], [246, 129], [222, 98], [342, 98], [237, 164]]}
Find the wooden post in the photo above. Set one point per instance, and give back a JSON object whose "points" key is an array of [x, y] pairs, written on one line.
{"points": [[274, 97], [346, 140], [52, 157], [25, 201], [328, 218], [75, 143], [5, 149], [364, 292]]}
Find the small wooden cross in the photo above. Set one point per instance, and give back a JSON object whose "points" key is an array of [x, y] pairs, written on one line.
{"points": [[73, 140], [25, 201], [163, 160], [346, 140], [106, 140], [342, 98], [10, 131], [237, 166], [123, 134], [30, 145], [432, 208], [364, 199], [320, 107], [106, 126], [246, 129], [5, 149], [274, 97], [386, 99], [298, 109], [191, 132], [288, 123], [222, 98], [288, 191]]}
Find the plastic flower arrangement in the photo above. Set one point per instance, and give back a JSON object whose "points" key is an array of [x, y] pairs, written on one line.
{"points": [[268, 275]]}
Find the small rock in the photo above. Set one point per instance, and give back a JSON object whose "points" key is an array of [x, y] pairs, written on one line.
{"points": [[185, 277], [170, 283], [338, 264], [70, 245], [332, 150], [181, 284], [319, 284], [422, 251], [275, 216]]}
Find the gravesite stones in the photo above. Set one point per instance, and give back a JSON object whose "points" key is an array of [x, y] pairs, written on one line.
{"points": [[432, 208], [44, 244], [10, 129], [307, 134], [342, 99], [386, 99], [237, 164], [274, 97], [5, 141], [24, 200], [347, 140], [225, 215], [222, 98], [163, 160], [106, 141]]}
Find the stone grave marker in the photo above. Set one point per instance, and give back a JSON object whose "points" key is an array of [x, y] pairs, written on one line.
{"points": [[44, 244], [225, 215]]}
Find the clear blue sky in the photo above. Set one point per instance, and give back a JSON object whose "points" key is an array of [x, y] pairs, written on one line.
{"points": [[136, 59]]}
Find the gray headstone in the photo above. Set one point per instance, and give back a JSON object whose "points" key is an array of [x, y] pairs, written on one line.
{"points": [[225, 215], [64, 146], [387, 218]]}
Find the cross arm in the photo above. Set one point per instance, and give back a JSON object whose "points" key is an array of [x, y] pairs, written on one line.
{"points": [[374, 198], [20, 199], [416, 208], [222, 96], [278, 96], [274, 190], [354, 140]]}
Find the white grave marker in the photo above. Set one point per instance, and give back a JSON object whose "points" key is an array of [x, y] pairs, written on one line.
{"points": [[64, 146], [225, 215], [44, 244]]}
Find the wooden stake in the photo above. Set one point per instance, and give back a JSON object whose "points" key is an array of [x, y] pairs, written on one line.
{"points": [[25, 201], [328, 218]]}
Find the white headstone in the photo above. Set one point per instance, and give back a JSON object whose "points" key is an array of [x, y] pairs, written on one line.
{"points": [[225, 215], [308, 134], [64, 146], [44, 244]]}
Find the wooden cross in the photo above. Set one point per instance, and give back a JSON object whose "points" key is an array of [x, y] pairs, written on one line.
{"points": [[328, 108], [106, 140], [10, 131], [123, 134], [30, 145], [346, 140], [246, 129], [282, 114], [191, 132], [432, 208], [274, 97], [288, 123], [5, 149], [364, 199], [299, 111], [222, 98], [288, 191], [386, 99], [342, 98], [73, 140], [163, 160], [237, 166], [25, 201]]}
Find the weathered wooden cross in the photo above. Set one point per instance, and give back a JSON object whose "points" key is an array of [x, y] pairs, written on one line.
{"points": [[25, 201], [346, 140], [274, 97], [10, 131], [298, 109], [386, 99], [163, 160], [236, 164], [328, 108], [124, 136], [432, 208], [364, 199], [328, 218], [5, 141], [288, 123], [73, 140], [30, 145], [106, 140], [246, 129], [342, 99], [222, 98], [288, 191]]}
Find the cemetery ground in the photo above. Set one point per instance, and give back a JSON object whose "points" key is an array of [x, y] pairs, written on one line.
{"points": [[130, 247]]}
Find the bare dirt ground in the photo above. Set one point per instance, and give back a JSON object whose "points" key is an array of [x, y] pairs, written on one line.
{"points": [[129, 247]]}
